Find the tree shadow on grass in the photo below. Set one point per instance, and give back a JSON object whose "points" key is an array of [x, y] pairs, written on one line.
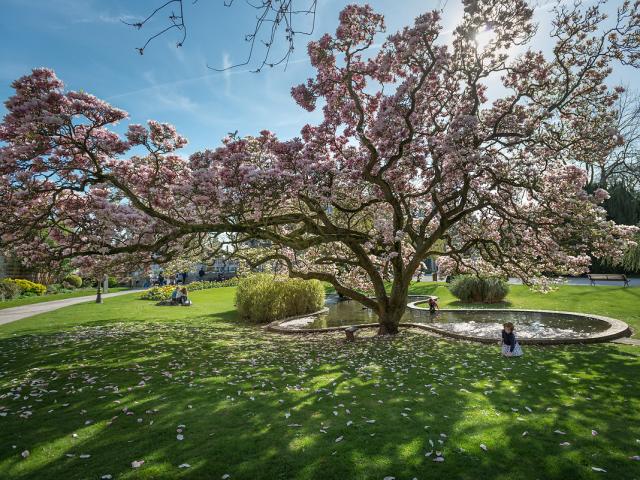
{"points": [[255, 405], [557, 395], [296, 388]]}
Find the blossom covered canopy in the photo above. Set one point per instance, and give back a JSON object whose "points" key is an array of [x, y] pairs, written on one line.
{"points": [[411, 159]]}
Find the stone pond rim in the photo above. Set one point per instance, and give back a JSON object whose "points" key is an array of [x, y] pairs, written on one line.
{"points": [[617, 328]]}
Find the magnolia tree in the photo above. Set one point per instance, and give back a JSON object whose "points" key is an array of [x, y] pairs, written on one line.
{"points": [[415, 156]]}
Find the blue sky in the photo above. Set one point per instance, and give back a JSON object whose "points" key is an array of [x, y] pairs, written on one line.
{"points": [[86, 44]]}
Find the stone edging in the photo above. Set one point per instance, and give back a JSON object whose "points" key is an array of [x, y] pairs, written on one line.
{"points": [[275, 325], [617, 328]]}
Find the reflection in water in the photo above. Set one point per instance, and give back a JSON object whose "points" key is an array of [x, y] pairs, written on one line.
{"points": [[478, 323]]}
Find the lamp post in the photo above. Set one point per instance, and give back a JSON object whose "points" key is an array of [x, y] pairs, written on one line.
{"points": [[99, 292]]}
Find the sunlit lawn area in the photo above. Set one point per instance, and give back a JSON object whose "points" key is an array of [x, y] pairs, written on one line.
{"points": [[89, 389]]}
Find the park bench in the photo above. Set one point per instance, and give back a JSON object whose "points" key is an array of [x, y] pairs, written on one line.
{"points": [[608, 277], [350, 332]]}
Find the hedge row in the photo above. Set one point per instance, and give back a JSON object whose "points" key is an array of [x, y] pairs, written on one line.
{"points": [[164, 293], [14, 287]]}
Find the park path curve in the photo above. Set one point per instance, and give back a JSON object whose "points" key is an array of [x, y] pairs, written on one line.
{"points": [[8, 315]]}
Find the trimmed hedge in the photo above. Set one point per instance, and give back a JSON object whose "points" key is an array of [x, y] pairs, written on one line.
{"points": [[263, 298], [29, 288], [164, 293], [473, 289], [74, 281]]}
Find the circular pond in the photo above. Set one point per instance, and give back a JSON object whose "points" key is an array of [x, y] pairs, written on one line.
{"points": [[482, 325]]}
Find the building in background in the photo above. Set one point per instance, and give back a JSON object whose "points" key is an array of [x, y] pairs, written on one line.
{"points": [[217, 270]]}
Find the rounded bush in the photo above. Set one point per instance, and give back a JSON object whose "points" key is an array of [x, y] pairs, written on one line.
{"points": [[54, 288], [263, 298], [74, 281], [9, 289], [30, 288], [473, 289]]}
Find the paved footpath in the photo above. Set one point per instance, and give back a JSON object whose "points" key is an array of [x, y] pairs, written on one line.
{"points": [[8, 315], [633, 282]]}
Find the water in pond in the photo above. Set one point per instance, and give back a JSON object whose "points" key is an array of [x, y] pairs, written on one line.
{"points": [[477, 323]]}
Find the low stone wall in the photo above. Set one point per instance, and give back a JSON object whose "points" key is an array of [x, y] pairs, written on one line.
{"points": [[617, 328], [275, 326]]}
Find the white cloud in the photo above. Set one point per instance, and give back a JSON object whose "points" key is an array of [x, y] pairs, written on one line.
{"points": [[226, 71]]}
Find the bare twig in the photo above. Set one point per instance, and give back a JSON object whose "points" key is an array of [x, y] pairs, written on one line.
{"points": [[275, 20]]}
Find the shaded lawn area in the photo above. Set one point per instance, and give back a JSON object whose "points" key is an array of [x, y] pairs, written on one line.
{"points": [[84, 292], [126, 375]]}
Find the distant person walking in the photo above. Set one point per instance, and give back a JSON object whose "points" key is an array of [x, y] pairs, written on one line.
{"points": [[201, 273]]}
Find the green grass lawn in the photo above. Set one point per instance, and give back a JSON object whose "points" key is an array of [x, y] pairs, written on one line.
{"points": [[83, 292], [91, 388]]}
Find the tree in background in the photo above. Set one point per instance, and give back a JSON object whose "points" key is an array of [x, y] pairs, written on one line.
{"points": [[619, 174], [411, 159], [622, 165]]}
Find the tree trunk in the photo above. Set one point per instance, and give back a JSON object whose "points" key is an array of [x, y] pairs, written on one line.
{"points": [[393, 307], [390, 320]]}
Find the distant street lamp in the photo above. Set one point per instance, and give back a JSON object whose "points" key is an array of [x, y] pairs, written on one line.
{"points": [[99, 292]]}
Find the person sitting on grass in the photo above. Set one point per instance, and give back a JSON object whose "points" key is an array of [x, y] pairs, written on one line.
{"points": [[510, 345], [176, 296], [184, 297]]}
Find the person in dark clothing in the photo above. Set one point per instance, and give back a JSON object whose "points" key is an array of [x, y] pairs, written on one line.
{"points": [[510, 345], [201, 273], [433, 305], [185, 275], [160, 279]]}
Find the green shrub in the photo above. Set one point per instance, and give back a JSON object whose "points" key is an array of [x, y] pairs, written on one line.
{"points": [[158, 293], [9, 289], [232, 282], [473, 289], [74, 281], [30, 288], [164, 292], [54, 288], [112, 282], [263, 298]]}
